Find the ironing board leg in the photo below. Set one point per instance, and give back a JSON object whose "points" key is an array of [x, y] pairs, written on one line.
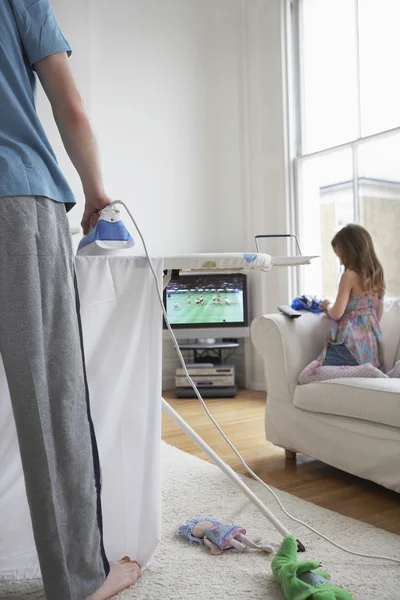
{"points": [[225, 468]]}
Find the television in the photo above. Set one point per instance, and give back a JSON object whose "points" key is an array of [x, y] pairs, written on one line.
{"points": [[201, 305]]}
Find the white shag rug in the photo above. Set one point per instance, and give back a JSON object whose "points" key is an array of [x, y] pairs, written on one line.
{"points": [[182, 571]]}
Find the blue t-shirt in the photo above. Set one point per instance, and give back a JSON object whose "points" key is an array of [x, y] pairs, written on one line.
{"points": [[28, 165]]}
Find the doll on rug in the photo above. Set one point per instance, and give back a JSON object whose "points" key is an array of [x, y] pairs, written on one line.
{"points": [[219, 536]]}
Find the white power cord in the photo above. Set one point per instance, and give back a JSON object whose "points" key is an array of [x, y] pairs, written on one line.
{"points": [[321, 535]]}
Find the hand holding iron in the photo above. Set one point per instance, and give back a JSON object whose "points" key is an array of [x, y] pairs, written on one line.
{"points": [[91, 214]]}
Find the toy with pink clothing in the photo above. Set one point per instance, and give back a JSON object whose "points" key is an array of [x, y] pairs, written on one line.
{"points": [[219, 536]]}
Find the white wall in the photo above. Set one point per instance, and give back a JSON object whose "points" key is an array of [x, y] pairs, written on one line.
{"points": [[160, 81], [188, 101], [258, 130], [166, 106]]}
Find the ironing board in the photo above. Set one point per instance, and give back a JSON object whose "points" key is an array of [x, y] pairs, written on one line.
{"points": [[236, 262], [122, 332], [231, 262]]}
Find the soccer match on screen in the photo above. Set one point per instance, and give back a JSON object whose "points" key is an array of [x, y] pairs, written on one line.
{"points": [[214, 299]]}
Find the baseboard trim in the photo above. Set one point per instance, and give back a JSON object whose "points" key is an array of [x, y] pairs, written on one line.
{"points": [[168, 383], [257, 386]]}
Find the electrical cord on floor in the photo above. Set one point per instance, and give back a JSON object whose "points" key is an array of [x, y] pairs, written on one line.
{"points": [[198, 395]]}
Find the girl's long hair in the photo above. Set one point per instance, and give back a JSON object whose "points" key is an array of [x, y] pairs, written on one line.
{"points": [[356, 251]]}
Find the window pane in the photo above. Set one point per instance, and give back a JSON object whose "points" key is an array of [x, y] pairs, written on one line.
{"points": [[329, 82], [326, 205], [379, 64], [379, 202]]}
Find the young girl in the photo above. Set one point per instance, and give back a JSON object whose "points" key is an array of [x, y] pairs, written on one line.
{"points": [[354, 347]]}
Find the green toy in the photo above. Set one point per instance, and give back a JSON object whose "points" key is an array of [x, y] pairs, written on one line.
{"points": [[300, 580]]}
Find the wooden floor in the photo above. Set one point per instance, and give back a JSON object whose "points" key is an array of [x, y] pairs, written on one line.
{"points": [[242, 420]]}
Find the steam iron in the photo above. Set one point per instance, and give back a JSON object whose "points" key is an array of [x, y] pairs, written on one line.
{"points": [[109, 235]]}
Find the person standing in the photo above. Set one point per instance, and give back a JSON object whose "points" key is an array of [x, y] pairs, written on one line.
{"points": [[40, 330]]}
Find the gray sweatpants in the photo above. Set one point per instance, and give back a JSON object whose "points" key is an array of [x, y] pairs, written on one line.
{"points": [[41, 347]]}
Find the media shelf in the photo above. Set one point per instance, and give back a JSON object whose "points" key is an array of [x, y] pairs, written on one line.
{"points": [[208, 313], [212, 381], [204, 352], [212, 392]]}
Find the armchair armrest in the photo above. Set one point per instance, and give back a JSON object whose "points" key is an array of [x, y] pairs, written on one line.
{"points": [[287, 346]]}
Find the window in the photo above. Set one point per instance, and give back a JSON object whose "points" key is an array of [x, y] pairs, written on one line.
{"points": [[347, 167]]}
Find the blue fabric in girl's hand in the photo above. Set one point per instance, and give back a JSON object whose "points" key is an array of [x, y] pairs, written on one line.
{"points": [[307, 303]]}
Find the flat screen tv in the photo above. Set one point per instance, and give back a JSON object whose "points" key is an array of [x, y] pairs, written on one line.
{"points": [[207, 301]]}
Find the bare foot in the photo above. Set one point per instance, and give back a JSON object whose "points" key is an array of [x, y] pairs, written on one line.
{"points": [[123, 574]]}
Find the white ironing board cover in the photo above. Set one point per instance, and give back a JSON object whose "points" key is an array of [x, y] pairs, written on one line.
{"points": [[121, 319], [227, 261]]}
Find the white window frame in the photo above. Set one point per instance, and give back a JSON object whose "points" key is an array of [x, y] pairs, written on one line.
{"points": [[295, 74]]}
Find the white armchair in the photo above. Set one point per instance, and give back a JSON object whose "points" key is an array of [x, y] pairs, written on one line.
{"points": [[287, 345], [352, 424]]}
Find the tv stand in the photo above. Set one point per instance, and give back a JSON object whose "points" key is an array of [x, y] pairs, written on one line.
{"points": [[212, 381], [205, 352]]}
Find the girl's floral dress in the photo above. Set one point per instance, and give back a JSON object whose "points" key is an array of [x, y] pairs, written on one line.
{"points": [[359, 330]]}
